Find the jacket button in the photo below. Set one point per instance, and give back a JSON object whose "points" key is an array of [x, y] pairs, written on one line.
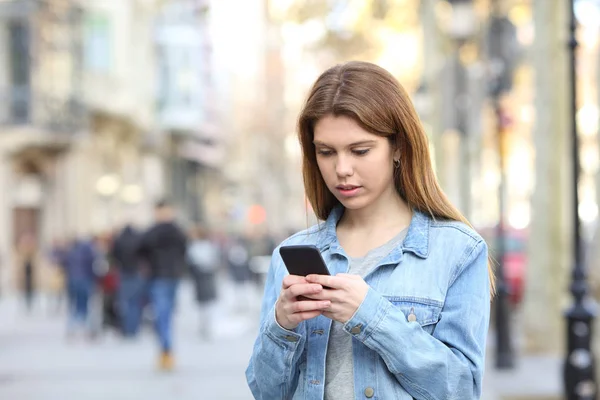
{"points": [[412, 317], [369, 392], [356, 330], [291, 338]]}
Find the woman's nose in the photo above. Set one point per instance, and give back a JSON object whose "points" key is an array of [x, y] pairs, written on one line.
{"points": [[343, 166]]}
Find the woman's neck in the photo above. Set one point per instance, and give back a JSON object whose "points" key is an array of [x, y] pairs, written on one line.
{"points": [[384, 214]]}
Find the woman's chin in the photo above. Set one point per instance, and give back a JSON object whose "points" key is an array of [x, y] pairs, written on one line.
{"points": [[354, 203]]}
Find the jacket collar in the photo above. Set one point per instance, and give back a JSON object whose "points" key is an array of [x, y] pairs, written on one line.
{"points": [[416, 241]]}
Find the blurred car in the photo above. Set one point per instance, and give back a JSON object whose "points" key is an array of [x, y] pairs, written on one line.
{"points": [[515, 259]]}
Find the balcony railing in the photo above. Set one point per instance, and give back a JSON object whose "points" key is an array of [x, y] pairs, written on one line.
{"points": [[24, 106]]}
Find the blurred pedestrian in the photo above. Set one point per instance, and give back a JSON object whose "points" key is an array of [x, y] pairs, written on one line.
{"points": [[405, 311], [164, 248], [131, 283], [81, 280], [103, 305], [238, 260], [26, 259], [203, 256], [58, 260], [261, 245]]}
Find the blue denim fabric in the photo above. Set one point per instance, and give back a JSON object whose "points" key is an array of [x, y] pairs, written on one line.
{"points": [[131, 290], [163, 292], [439, 274], [80, 291]]}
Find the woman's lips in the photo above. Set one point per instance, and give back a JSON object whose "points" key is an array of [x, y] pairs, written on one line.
{"points": [[348, 191]]}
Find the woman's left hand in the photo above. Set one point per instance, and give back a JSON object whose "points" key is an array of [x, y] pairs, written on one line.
{"points": [[346, 294]]}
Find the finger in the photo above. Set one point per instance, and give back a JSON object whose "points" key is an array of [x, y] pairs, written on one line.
{"points": [[303, 289], [290, 280], [309, 305], [334, 282], [302, 316], [351, 276], [325, 294]]}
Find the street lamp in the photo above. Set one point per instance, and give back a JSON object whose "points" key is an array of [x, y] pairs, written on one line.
{"points": [[459, 21], [579, 365], [501, 39], [504, 348]]}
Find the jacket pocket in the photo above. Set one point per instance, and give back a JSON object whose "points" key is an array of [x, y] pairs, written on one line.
{"points": [[422, 311]]}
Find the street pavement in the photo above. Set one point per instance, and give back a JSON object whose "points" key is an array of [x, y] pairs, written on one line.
{"points": [[38, 363]]}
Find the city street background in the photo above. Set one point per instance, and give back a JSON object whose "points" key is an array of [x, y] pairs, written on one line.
{"points": [[109, 106], [38, 363]]}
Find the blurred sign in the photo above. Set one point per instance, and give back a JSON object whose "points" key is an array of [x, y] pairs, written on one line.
{"points": [[257, 214], [211, 155]]}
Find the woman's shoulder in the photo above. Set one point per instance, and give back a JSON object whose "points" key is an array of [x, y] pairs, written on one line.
{"points": [[310, 235], [454, 246], [456, 230]]}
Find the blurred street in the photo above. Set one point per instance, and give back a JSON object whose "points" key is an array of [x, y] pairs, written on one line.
{"points": [[123, 117], [38, 363]]}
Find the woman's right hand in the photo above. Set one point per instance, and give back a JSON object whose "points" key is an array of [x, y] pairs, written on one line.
{"points": [[293, 305]]}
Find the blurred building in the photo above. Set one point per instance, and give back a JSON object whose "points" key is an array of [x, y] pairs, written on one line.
{"points": [[78, 141], [41, 86], [188, 107], [122, 156]]}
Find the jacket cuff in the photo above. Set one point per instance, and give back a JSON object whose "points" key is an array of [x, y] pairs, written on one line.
{"points": [[283, 337], [368, 316]]}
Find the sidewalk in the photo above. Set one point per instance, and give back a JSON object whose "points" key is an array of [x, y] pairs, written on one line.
{"points": [[36, 363], [534, 377]]}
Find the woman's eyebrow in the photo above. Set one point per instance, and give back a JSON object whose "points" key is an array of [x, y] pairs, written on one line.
{"points": [[360, 143]]}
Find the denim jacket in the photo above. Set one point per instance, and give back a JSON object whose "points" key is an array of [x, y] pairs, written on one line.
{"points": [[419, 333]]}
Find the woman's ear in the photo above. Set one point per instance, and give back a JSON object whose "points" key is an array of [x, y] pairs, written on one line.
{"points": [[396, 154]]}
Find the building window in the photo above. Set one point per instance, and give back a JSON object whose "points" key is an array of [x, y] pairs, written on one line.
{"points": [[98, 43], [18, 37]]}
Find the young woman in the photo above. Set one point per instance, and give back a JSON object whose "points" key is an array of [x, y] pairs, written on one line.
{"points": [[406, 309]]}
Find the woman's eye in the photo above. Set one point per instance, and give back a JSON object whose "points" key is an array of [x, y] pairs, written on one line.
{"points": [[325, 152], [361, 152]]}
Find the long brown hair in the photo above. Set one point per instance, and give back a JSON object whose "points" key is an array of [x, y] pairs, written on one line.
{"points": [[377, 102]]}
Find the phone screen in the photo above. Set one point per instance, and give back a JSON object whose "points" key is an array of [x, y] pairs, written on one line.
{"points": [[303, 260]]}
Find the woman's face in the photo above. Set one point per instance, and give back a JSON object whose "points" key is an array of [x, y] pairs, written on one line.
{"points": [[357, 166]]}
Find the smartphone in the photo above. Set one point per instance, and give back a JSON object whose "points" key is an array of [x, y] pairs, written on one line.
{"points": [[303, 260]]}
